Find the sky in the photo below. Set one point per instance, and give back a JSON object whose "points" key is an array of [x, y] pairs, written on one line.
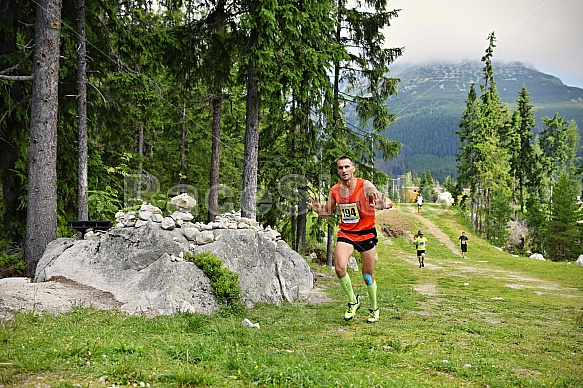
{"points": [[547, 34]]}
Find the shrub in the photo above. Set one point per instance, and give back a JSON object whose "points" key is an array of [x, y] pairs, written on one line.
{"points": [[319, 250], [11, 260], [225, 283]]}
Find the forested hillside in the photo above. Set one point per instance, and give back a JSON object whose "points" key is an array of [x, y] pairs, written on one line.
{"points": [[107, 104], [430, 103]]}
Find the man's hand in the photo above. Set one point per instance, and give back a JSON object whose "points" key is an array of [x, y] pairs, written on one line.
{"points": [[316, 204], [380, 201]]}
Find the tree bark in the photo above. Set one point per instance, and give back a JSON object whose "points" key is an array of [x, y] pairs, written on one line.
{"points": [[301, 226], [330, 246], [249, 192], [82, 179], [141, 154], [41, 219], [213, 198], [294, 226], [183, 147]]}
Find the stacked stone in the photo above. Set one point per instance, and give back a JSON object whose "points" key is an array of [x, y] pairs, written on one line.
{"points": [[147, 214], [185, 204], [199, 233]]}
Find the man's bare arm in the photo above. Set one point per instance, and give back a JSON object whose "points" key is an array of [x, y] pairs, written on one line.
{"points": [[374, 196], [326, 209]]}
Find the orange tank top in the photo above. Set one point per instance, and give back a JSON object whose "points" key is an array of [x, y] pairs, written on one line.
{"points": [[357, 216]]}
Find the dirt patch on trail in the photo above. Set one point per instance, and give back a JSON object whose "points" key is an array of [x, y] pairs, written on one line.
{"points": [[61, 295], [431, 228], [398, 223], [391, 231], [57, 296], [393, 223]]}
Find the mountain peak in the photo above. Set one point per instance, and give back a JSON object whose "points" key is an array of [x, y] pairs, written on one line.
{"points": [[431, 100]]}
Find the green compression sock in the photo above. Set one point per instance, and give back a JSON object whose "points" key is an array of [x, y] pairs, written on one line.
{"points": [[372, 294], [346, 284]]}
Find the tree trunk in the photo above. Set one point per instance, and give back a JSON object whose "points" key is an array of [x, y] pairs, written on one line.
{"points": [[336, 124], [249, 192], [183, 148], [41, 218], [213, 198], [141, 155], [294, 226], [82, 185], [301, 225], [330, 246]]}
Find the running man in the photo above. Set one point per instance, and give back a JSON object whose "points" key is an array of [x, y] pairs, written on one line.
{"points": [[421, 244], [419, 203], [356, 200], [463, 239]]}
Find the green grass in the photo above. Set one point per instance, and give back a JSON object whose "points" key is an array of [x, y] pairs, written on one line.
{"points": [[489, 320]]}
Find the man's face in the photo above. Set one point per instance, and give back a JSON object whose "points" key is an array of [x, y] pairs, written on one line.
{"points": [[345, 169]]}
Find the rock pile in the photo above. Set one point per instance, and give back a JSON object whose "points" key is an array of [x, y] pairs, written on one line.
{"points": [[197, 232], [153, 214], [141, 261]]}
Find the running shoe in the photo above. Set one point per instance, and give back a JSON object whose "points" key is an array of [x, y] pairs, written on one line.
{"points": [[352, 308], [374, 316]]}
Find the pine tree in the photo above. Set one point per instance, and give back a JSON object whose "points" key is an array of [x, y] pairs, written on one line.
{"points": [[520, 144], [426, 186], [558, 146], [41, 218], [82, 169], [563, 240], [469, 137], [483, 164]]}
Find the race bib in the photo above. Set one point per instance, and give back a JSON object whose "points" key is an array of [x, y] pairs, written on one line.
{"points": [[349, 213]]}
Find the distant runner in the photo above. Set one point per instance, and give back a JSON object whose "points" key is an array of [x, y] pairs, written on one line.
{"points": [[419, 203], [463, 239], [421, 244]]}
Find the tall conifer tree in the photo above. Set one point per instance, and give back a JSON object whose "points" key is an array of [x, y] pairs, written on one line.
{"points": [[563, 241], [520, 146], [484, 158], [41, 218]]}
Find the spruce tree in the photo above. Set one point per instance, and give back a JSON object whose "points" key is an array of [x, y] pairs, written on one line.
{"points": [[483, 163], [520, 144], [41, 218], [563, 240], [469, 137]]}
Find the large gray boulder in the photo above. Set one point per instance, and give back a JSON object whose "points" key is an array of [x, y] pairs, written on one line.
{"points": [[269, 270], [143, 267]]}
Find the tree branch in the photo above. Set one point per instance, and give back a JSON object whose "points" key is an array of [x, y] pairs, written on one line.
{"points": [[16, 77], [6, 71]]}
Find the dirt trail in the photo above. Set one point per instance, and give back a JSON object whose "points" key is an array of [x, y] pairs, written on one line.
{"points": [[431, 228], [406, 217]]}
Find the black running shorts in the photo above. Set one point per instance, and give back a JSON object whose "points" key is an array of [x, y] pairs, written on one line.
{"points": [[360, 246]]}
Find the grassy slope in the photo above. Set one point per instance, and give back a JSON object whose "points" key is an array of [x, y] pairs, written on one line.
{"points": [[487, 320]]}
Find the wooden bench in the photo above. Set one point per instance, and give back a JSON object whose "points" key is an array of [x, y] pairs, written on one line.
{"points": [[84, 226]]}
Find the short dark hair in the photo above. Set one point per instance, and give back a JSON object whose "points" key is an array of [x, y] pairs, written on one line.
{"points": [[345, 157]]}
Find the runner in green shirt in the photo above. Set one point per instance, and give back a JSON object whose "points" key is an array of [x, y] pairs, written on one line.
{"points": [[421, 244]]}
